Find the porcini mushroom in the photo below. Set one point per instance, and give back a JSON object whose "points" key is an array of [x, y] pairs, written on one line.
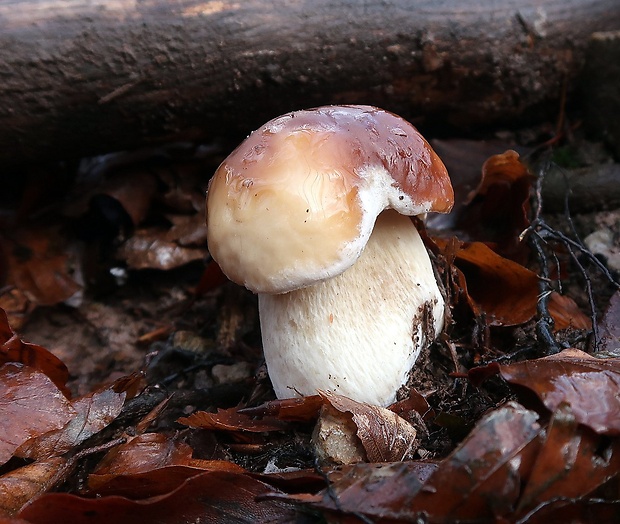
{"points": [[312, 212]]}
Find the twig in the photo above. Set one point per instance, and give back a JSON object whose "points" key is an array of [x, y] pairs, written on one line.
{"points": [[545, 323]]}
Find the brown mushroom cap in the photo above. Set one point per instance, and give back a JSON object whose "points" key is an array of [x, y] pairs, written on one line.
{"points": [[296, 202]]}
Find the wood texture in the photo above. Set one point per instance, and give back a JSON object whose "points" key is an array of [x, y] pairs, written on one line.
{"points": [[82, 77]]}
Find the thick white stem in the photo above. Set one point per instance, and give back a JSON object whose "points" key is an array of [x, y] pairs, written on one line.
{"points": [[360, 333]]}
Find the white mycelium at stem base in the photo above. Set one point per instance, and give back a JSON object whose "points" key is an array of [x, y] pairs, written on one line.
{"points": [[290, 215]]}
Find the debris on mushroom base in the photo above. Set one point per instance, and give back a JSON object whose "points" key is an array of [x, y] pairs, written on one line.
{"points": [[308, 213]]}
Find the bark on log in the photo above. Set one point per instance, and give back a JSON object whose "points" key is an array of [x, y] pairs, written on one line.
{"points": [[80, 77]]}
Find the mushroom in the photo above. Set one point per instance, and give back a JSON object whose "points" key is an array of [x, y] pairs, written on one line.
{"points": [[312, 212]]}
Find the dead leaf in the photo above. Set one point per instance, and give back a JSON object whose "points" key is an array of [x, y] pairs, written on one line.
{"points": [[212, 496], [30, 404], [22, 485], [479, 481], [414, 402], [232, 420], [502, 290], [148, 465], [570, 464], [40, 265], [93, 412], [385, 436], [371, 491], [497, 210], [482, 477], [589, 385], [296, 409], [150, 249], [14, 349]]}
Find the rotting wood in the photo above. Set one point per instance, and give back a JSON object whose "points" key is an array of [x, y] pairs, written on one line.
{"points": [[80, 78]]}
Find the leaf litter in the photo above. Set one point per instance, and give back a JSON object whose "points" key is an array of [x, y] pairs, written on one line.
{"points": [[515, 438]]}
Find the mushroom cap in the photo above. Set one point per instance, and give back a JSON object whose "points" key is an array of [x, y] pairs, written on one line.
{"points": [[296, 202]]}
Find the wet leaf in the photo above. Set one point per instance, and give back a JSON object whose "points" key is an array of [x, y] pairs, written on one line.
{"points": [[589, 385], [482, 477], [14, 349], [213, 496], [372, 491], [148, 465], [578, 511], [22, 485], [298, 409], [93, 412], [570, 464], [464, 159], [30, 404], [232, 420], [414, 402], [480, 480]]}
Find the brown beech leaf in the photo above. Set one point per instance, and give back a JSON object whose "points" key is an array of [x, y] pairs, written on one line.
{"points": [[482, 477], [570, 464], [374, 491], [211, 497], [385, 436], [22, 485], [497, 210], [414, 402], [503, 290], [232, 420], [93, 412], [464, 159], [148, 465], [30, 405], [589, 385], [14, 349], [609, 326], [39, 265], [578, 511], [150, 249], [297, 409], [480, 480]]}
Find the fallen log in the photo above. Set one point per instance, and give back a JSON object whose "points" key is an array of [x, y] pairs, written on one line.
{"points": [[87, 77]]}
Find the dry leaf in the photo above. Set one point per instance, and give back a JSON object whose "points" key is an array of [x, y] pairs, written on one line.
{"points": [[385, 436], [502, 290]]}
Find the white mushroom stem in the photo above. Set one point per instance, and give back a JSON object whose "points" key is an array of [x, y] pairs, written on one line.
{"points": [[357, 334]]}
